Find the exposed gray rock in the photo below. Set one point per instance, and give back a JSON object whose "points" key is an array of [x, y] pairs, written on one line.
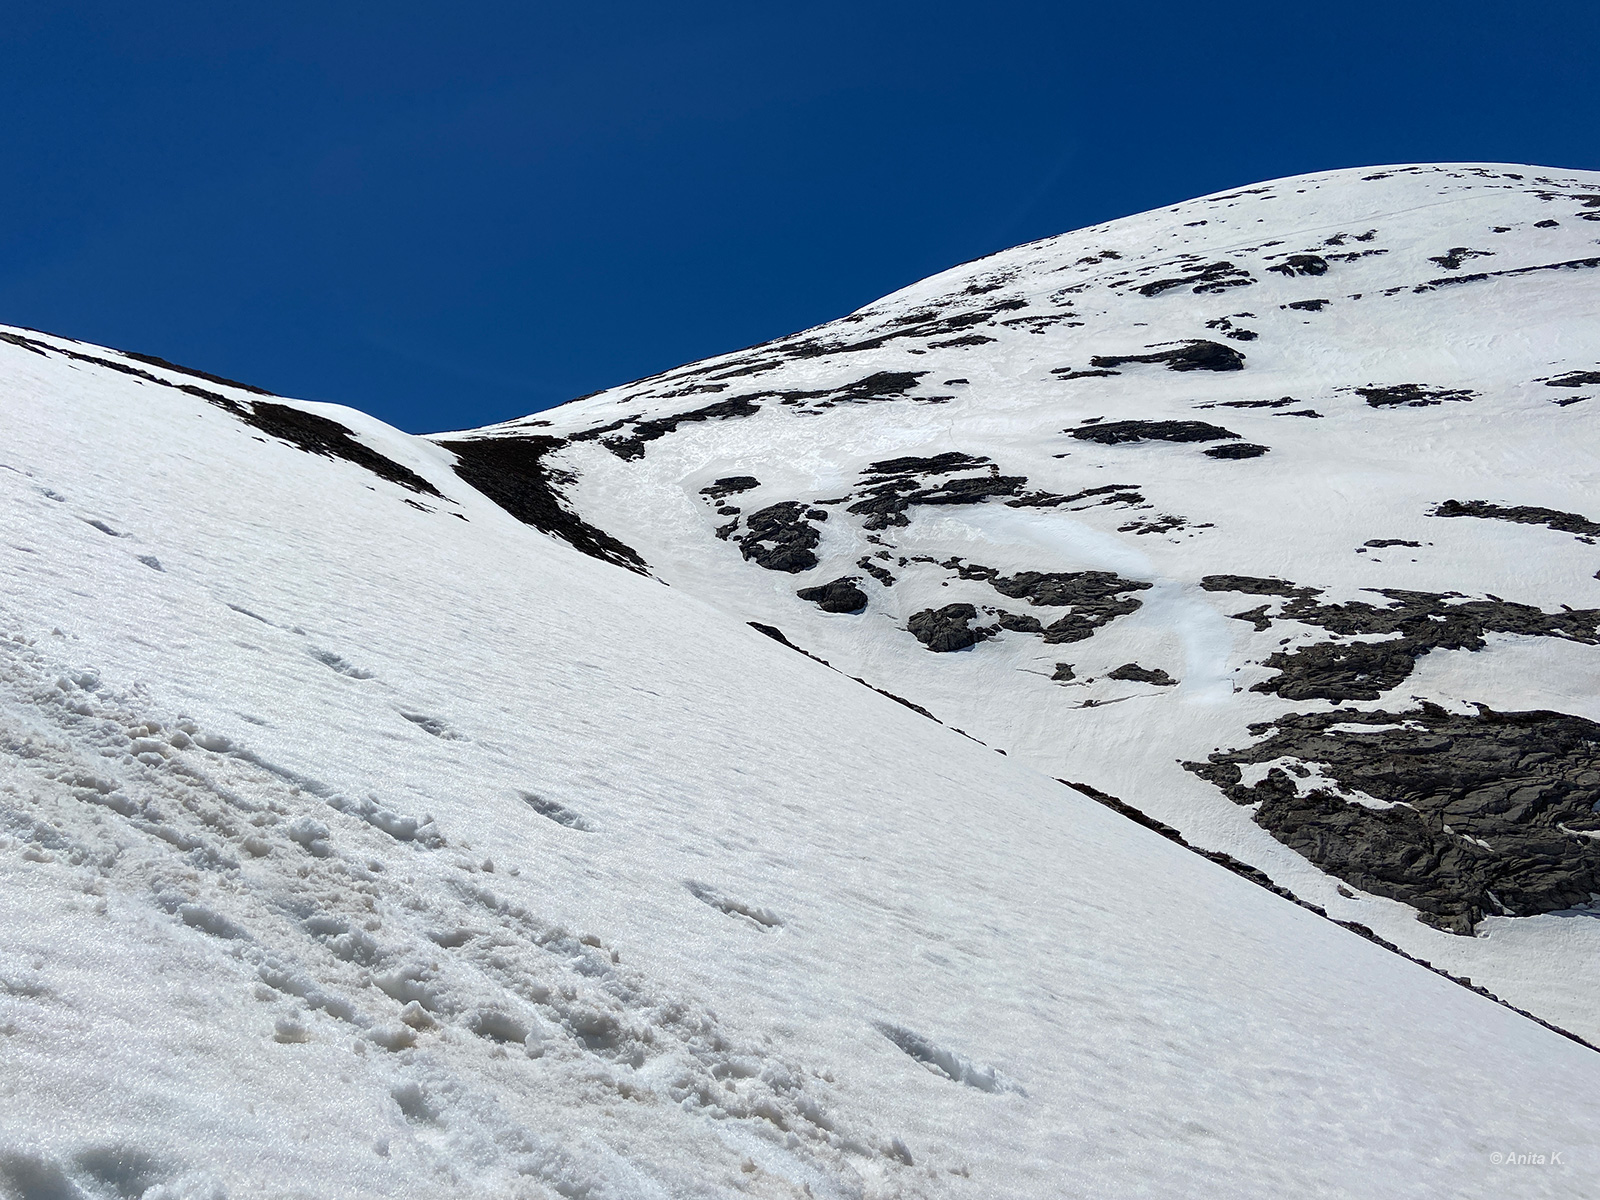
{"points": [[1491, 813], [1521, 514], [945, 629], [1301, 264], [729, 485], [1095, 598], [1411, 395], [1114, 433], [897, 484], [1236, 450], [1416, 622], [512, 472], [781, 538], [1134, 673], [1213, 277], [1194, 355], [837, 596]]}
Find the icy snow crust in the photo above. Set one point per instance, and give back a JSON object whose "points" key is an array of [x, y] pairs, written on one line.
{"points": [[1405, 336], [358, 840]]}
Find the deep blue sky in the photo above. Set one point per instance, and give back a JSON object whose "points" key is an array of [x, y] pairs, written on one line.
{"points": [[453, 214]]}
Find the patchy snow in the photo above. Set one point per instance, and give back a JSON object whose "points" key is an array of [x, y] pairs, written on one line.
{"points": [[378, 844], [1409, 335]]}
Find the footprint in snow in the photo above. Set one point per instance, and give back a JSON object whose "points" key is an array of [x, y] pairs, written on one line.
{"points": [[335, 663], [432, 725], [937, 1059], [557, 812], [762, 918]]}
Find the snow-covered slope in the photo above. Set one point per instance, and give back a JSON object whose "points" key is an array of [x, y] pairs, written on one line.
{"points": [[1319, 452], [358, 839]]}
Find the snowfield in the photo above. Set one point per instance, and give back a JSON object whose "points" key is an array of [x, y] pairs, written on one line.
{"points": [[1408, 358], [359, 839]]}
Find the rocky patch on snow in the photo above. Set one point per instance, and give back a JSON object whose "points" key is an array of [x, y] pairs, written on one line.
{"points": [[631, 444], [308, 431], [1410, 395], [781, 537], [512, 472], [1460, 816], [945, 629], [836, 596], [1521, 514], [1410, 626], [1196, 354]]}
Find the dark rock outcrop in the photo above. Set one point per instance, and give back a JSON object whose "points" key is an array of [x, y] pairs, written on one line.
{"points": [[1213, 277], [1452, 259], [511, 472], [1410, 395], [1301, 264], [1252, 585], [1093, 598], [1571, 264], [1019, 622], [1134, 673], [1113, 433], [1521, 514], [1573, 379], [1412, 623], [317, 434], [1195, 355], [945, 629], [781, 537], [631, 445], [895, 485], [836, 596], [937, 464], [1233, 450], [729, 485], [311, 432], [1482, 814]]}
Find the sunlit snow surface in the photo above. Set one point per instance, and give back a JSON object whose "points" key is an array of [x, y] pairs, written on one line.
{"points": [[360, 841], [1482, 280]]}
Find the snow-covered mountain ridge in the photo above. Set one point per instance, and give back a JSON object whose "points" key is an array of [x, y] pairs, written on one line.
{"points": [[358, 839], [1270, 513]]}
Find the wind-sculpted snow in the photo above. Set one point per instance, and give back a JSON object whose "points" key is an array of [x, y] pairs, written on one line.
{"points": [[1300, 381]]}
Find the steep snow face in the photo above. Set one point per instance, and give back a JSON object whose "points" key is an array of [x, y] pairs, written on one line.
{"points": [[1238, 510], [357, 839]]}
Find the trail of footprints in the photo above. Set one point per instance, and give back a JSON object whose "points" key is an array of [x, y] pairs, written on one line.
{"points": [[334, 661], [355, 921]]}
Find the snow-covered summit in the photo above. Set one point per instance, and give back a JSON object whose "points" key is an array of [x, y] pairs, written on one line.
{"points": [[357, 838]]}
